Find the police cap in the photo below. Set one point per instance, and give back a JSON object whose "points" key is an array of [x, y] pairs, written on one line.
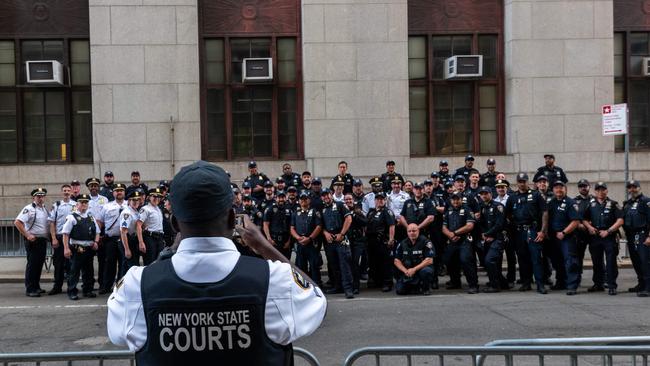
{"points": [[375, 181], [75, 183], [83, 198], [90, 181], [292, 189], [502, 183], [381, 195], [357, 182], [281, 193], [200, 192], [417, 185], [427, 182], [549, 156], [134, 195], [40, 191], [325, 191], [633, 183], [435, 175], [236, 190], [252, 164], [279, 179], [246, 185], [469, 158], [397, 180], [268, 184], [443, 163], [522, 177], [307, 173], [491, 161], [317, 181], [108, 173], [247, 197], [119, 187], [305, 194], [165, 183], [541, 177], [449, 183], [156, 192], [583, 183], [459, 178], [390, 162], [600, 185], [484, 189], [558, 183], [455, 194]]}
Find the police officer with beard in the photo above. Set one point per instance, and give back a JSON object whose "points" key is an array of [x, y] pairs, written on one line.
{"points": [[380, 233], [306, 226], [337, 220], [268, 198], [457, 225], [357, 237], [636, 211], [291, 178], [414, 259], [256, 180], [277, 225], [583, 200], [550, 171], [491, 224], [106, 189], [250, 210], [248, 310]]}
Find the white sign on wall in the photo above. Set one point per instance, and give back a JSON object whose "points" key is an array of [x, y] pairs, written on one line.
{"points": [[615, 119]]}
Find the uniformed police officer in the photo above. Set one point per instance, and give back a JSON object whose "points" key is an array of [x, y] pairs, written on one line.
{"points": [[502, 188], [97, 201], [389, 176], [438, 198], [337, 194], [467, 169], [418, 210], [528, 213], [247, 190], [292, 198], [280, 184], [583, 199], [549, 251], [357, 192], [149, 228], [108, 219], [357, 237], [563, 219], [250, 210], [489, 178], [443, 170], [32, 224], [550, 170], [80, 241], [346, 177], [136, 184], [316, 197], [129, 248], [291, 178], [380, 233], [395, 202], [277, 224], [458, 223], [491, 223], [336, 223], [306, 226], [368, 202], [256, 180], [248, 310], [60, 210], [76, 189], [106, 189], [602, 218], [636, 224], [269, 197], [305, 181], [414, 261]]}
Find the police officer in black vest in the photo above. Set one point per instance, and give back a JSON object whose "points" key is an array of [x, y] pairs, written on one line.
{"points": [[414, 261], [636, 211], [443, 170], [106, 189], [256, 180], [337, 220], [80, 241], [389, 176], [458, 223], [491, 223], [602, 218], [358, 245], [268, 198], [291, 178], [277, 225], [306, 226], [583, 237], [563, 219], [551, 171], [380, 233], [250, 210], [209, 304], [528, 212]]}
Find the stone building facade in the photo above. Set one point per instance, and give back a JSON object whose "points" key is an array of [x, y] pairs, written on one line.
{"points": [[351, 77]]}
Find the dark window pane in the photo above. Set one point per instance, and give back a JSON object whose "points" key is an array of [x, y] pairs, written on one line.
{"points": [[441, 51], [216, 124], [418, 121], [34, 126], [32, 50], [417, 50], [53, 50], [462, 45], [55, 129], [453, 118], [488, 48], [7, 64], [8, 135], [260, 47], [82, 133], [288, 144], [214, 61], [80, 62], [639, 43], [639, 104]]}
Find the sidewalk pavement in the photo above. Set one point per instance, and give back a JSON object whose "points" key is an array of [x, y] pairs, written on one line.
{"points": [[12, 269]]}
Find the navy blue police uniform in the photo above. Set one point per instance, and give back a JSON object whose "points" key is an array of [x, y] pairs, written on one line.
{"points": [[412, 254], [491, 223], [461, 250], [636, 224], [602, 215], [379, 253], [561, 213]]}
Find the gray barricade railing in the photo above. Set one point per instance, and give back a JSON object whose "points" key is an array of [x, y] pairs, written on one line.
{"points": [[101, 356], [571, 354], [585, 341], [11, 242]]}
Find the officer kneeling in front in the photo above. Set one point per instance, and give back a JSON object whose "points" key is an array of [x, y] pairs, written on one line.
{"points": [[208, 304], [414, 259]]}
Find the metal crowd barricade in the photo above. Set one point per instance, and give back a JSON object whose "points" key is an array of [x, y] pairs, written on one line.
{"points": [[11, 242], [586, 341], [469, 355], [102, 357]]}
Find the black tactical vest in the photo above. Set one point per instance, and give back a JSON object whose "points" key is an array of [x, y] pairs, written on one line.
{"points": [[218, 323], [84, 229]]}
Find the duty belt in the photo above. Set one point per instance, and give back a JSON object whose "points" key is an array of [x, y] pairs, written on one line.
{"points": [[154, 234], [526, 227], [79, 248]]}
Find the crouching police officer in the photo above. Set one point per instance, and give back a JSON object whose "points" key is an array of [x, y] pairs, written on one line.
{"points": [[458, 223], [492, 223], [80, 241], [414, 259], [636, 211], [208, 304]]}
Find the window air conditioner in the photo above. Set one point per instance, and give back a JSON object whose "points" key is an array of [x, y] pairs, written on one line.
{"points": [[646, 66], [45, 72], [257, 70], [462, 67]]}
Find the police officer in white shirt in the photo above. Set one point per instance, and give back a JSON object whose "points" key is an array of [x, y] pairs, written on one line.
{"points": [[395, 202], [80, 241], [108, 220], [129, 250], [32, 224], [60, 210], [208, 304], [151, 240]]}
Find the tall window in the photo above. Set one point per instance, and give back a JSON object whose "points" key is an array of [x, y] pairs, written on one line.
{"points": [[454, 116], [632, 86], [246, 120], [45, 123]]}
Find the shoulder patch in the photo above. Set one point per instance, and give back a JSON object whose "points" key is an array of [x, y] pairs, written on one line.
{"points": [[299, 280], [429, 245], [126, 216], [119, 283], [25, 211], [500, 208]]}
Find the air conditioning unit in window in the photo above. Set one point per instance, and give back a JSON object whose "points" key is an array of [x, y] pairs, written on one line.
{"points": [[255, 70], [463, 67], [44, 72], [646, 66]]}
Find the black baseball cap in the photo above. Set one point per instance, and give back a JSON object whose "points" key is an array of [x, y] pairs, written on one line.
{"points": [[200, 192], [252, 164], [600, 185], [75, 183], [456, 194], [305, 194], [558, 183], [135, 172], [306, 172], [485, 189], [325, 191], [491, 161], [522, 177], [292, 189], [380, 195], [443, 162], [583, 183], [246, 185], [549, 156], [541, 177], [108, 173], [435, 175], [357, 182], [316, 181], [459, 177], [281, 193], [417, 185], [390, 162], [268, 184], [633, 183], [469, 158], [279, 179]]}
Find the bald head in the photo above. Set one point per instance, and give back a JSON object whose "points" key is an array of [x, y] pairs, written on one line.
{"points": [[413, 231]]}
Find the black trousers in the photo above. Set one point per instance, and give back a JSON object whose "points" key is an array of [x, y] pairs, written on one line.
{"points": [[36, 251], [154, 245], [381, 262], [339, 255], [358, 248], [60, 263], [459, 255], [101, 263], [113, 261], [135, 254], [280, 239], [603, 255], [511, 257], [81, 263]]}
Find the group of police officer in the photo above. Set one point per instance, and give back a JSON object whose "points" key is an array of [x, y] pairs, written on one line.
{"points": [[401, 234], [113, 222]]}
